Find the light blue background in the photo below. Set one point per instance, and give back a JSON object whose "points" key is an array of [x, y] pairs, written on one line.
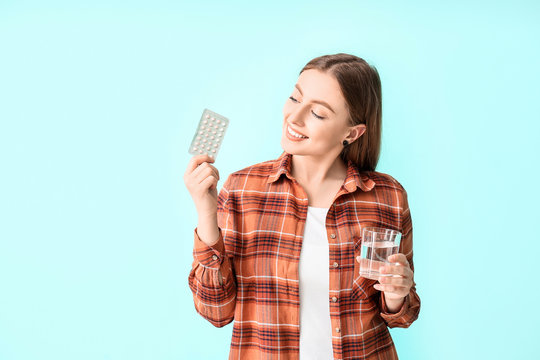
{"points": [[98, 105]]}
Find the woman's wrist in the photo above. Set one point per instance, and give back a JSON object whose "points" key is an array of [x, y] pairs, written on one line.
{"points": [[208, 230], [393, 305]]}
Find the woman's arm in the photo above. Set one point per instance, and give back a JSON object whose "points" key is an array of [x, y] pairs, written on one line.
{"points": [[211, 278], [403, 312]]}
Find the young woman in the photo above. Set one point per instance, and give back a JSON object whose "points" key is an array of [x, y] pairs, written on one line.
{"points": [[277, 250]]}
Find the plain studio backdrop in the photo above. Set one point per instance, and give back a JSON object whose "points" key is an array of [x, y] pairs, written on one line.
{"points": [[98, 106]]}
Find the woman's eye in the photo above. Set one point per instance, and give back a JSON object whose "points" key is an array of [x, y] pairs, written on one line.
{"points": [[317, 116]]}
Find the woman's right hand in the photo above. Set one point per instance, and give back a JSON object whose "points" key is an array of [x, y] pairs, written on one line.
{"points": [[201, 180]]}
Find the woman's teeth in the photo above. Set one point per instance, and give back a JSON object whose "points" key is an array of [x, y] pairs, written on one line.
{"points": [[295, 134]]}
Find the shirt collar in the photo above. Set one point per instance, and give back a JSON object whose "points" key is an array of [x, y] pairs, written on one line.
{"points": [[354, 178]]}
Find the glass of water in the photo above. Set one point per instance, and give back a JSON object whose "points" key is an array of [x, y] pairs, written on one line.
{"points": [[377, 245]]}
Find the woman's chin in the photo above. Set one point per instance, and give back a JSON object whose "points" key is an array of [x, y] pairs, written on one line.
{"points": [[291, 149], [287, 146]]}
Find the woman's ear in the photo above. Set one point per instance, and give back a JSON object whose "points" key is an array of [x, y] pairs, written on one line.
{"points": [[356, 132]]}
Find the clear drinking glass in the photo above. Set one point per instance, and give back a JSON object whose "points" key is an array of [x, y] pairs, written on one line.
{"points": [[377, 245]]}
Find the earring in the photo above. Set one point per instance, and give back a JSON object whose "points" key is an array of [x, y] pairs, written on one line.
{"points": [[345, 143]]}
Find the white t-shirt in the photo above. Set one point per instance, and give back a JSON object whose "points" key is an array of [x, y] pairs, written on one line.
{"points": [[315, 325]]}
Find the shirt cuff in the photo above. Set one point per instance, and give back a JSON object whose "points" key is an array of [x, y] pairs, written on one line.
{"points": [[208, 256], [391, 316]]}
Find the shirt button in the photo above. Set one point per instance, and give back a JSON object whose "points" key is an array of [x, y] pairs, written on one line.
{"points": [[333, 236], [214, 257], [334, 299], [336, 264], [338, 330]]}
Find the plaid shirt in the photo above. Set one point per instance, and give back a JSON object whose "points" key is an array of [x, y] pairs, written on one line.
{"points": [[251, 274]]}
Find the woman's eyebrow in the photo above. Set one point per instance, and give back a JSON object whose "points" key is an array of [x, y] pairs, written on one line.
{"points": [[316, 101]]}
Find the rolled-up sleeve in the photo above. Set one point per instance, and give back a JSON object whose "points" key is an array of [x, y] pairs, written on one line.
{"points": [[410, 309]]}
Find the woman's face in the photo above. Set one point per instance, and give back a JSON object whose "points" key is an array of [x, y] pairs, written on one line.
{"points": [[317, 110]]}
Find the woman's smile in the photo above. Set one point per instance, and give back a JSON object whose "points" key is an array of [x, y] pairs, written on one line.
{"points": [[294, 136]]}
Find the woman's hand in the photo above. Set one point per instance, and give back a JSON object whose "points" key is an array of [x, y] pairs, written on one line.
{"points": [[395, 288], [201, 180]]}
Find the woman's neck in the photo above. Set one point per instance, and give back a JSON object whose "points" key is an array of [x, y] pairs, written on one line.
{"points": [[316, 170]]}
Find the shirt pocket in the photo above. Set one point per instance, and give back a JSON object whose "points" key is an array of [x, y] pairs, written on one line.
{"points": [[362, 288]]}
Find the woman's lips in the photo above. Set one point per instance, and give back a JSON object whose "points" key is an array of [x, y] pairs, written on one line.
{"points": [[293, 138]]}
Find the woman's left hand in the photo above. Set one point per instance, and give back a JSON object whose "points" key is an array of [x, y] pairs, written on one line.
{"points": [[395, 288]]}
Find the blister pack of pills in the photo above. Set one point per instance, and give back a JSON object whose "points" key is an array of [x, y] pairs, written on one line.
{"points": [[209, 134]]}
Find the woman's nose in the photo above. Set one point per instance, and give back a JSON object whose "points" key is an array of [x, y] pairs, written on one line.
{"points": [[297, 117]]}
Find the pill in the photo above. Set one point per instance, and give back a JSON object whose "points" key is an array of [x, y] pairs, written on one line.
{"points": [[211, 129]]}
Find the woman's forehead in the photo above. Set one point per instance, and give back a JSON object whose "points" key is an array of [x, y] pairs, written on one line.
{"points": [[318, 85]]}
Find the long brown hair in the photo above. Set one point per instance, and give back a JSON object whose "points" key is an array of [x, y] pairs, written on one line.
{"points": [[361, 87]]}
